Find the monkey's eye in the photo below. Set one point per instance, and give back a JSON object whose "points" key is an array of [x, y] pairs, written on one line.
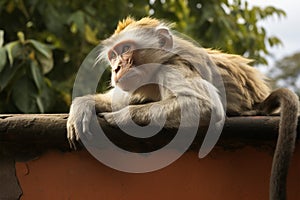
{"points": [[112, 55], [125, 48]]}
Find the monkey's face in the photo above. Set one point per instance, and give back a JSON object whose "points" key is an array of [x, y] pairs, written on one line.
{"points": [[131, 68], [121, 60], [135, 60]]}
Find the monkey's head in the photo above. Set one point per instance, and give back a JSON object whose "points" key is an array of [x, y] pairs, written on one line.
{"points": [[136, 50]]}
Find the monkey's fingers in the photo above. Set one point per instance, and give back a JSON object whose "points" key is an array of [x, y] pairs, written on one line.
{"points": [[70, 136], [72, 144], [87, 117]]}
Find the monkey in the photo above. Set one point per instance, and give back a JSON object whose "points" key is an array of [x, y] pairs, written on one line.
{"points": [[154, 73]]}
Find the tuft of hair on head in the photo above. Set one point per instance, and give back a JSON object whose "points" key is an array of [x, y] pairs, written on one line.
{"points": [[148, 22], [145, 22], [124, 23]]}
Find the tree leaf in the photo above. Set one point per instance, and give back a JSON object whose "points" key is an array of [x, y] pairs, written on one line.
{"points": [[24, 95], [2, 58], [40, 105], [45, 62], [1, 38], [36, 75], [53, 15], [91, 35], [77, 18], [42, 48], [7, 74], [46, 96], [11, 48], [43, 55]]}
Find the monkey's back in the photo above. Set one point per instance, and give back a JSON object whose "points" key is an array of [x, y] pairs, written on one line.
{"points": [[245, 86]]}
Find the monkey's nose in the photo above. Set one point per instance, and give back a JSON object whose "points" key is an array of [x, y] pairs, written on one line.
{"points": [[117, 69]]}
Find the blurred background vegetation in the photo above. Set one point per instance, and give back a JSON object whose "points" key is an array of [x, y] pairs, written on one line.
{"points": [[43, 42]]}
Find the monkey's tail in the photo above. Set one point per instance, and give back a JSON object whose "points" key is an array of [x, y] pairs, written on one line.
{"points": [[289, 105]]}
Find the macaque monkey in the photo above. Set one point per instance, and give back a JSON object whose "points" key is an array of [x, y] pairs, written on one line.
{"points": [[155, 72]]}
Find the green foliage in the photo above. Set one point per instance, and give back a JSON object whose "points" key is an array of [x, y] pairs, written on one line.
{"points": [[286, 72], [234, 27], [37, 73], [22, 68]]}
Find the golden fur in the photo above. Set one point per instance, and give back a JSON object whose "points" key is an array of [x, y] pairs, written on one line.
{"points": [[131, 22]]}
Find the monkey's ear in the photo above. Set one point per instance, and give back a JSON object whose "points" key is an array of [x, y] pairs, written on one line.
{"points": [[165, 38]]}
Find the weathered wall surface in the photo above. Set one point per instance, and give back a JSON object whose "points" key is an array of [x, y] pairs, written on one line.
{"points": [[238, 168], [242, 174]]}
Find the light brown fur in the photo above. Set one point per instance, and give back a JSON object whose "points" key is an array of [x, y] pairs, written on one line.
{"points": [[245, 86]]}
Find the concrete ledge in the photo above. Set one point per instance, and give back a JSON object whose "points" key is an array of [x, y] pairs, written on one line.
{"points": [[50, 130]]}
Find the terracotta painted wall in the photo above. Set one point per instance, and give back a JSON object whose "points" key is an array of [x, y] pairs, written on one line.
{"points": [[240, 174]]}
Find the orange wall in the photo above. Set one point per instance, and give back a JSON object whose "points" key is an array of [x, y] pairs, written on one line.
{"points": [[241, 174]]}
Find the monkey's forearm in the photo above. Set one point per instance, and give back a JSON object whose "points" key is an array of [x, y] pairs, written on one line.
{"points": [[103, 102], [157, 111], [169, 109]]}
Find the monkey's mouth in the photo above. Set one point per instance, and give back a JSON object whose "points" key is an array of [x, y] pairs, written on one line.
{"points": [[130, 80]]}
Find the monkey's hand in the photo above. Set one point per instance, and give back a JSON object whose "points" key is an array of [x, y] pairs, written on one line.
{"points": [[82, 112]]}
